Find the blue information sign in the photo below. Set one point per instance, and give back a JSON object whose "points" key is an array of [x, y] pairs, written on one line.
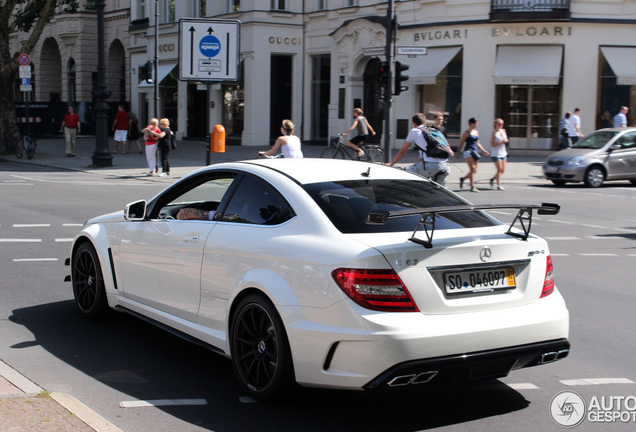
{"points": [[209, 46]]}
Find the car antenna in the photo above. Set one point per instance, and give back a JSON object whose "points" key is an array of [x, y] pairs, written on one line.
{"points": [[366, 174]]}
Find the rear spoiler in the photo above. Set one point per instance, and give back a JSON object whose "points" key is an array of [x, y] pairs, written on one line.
{"points": [[427, 220]]}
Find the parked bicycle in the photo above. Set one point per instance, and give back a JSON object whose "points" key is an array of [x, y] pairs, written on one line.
{"points": [[338, 150], [26, 145]]}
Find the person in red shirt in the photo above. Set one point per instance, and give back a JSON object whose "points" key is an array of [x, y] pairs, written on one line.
{"points": [[122, 123], [70, 126], [151, 133]]}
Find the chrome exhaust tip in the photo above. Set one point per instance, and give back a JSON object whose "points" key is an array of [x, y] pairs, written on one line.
{"points": [[420, 378], [424, 377]]}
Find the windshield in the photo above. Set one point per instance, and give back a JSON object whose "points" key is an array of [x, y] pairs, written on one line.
{"points": [[595, 140], [347, 204]]}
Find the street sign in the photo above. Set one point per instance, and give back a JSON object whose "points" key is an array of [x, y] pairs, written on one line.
{"points": [[374, 51], [405, 50], [24, 60], [25, 81], [26, 88], [209, 50], [25, 71]]}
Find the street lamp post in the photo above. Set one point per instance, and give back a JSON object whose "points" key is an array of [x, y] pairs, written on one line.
{"points": [[101, 156]]}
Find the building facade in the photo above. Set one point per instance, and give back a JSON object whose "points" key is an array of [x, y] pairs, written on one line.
{"points": [[314, 61]]}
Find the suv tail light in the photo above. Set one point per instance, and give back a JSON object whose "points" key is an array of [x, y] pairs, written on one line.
{"points": [[380, 290], [548, 284]]}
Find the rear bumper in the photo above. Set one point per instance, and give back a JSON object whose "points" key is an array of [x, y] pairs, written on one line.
{"points": [[495, 363]]}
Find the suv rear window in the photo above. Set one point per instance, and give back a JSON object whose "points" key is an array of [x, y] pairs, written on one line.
{"points": [[347, 204]]}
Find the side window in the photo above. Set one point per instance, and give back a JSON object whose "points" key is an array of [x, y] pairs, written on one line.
{"points": [[204, 195], [256, 202], [628, 140]]}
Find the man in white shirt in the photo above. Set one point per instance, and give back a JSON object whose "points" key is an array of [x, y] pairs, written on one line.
{"points": [[574, 132], [620, 119]]}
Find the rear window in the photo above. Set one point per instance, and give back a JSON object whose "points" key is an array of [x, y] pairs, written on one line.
{"points": [[347, 204]]}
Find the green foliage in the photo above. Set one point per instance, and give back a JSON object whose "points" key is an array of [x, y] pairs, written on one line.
{"points": [[28, 11]]}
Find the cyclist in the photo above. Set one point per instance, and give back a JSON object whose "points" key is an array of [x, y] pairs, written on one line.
{"points": [[288, 143], [363, 127]]}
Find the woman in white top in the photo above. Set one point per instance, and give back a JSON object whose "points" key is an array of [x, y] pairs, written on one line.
{"points": [[498, 152], [288, 143]]}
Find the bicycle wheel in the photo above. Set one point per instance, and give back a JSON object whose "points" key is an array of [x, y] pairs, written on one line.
{"points": [[30, 147], [373, 154], [332, 153], [19, 148]]}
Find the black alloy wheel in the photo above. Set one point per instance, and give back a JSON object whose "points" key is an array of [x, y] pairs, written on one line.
{"points": [[88, 283], [260, 350]]}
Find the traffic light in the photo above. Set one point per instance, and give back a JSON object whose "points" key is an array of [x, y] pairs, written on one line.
{"points": [[145, 72], [383, 73], [399, 78]]}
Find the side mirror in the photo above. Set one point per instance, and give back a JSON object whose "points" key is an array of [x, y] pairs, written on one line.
{"points": [[135, 211], [615, 147]]}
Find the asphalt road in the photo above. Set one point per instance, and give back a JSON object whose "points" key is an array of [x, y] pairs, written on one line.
{"points": [[121, 360]]}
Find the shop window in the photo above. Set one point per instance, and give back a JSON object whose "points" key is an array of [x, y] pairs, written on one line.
{"points": [[445, 95], [320, 91], [612, 96], [234, 106]]}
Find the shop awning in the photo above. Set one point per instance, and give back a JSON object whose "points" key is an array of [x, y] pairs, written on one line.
{"points": [[528, 64], [427, 67], [622, 60], [162, 72]]}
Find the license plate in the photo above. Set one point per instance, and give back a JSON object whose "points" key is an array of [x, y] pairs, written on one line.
{"points": [[551, 169], [480, 281]]}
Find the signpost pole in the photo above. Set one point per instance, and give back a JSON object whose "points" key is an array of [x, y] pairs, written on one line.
{"points": [[28, 123], [388, 90]]}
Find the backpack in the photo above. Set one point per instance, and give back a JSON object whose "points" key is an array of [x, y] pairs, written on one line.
{"points": [[434, 144], [173, 141]]}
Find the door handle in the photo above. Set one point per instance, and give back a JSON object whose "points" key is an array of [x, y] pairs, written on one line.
{"points": [[191, 239]]}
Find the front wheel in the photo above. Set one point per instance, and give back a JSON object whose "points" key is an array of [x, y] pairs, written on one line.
{"points": [[88, 283], [594, 177], [30, 147], [332, 153], [260, 350]]}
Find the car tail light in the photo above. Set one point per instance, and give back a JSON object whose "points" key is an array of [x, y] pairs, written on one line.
{"points": [[380, 290], [548, 284]]}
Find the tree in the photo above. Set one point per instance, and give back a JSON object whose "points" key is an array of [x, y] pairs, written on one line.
{"points": [[29, 16]]}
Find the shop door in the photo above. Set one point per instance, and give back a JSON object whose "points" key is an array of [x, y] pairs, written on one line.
{"points": [[531, 114], [280, 98], [373, 105]]}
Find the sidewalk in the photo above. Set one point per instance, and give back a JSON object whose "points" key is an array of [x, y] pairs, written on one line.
{"points": [[523, 166]]}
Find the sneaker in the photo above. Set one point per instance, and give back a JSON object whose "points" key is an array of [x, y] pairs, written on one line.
{"points": [[162, 174], [474, 189], [492, 183], [500, 187], [461, 182], [150, 174]]}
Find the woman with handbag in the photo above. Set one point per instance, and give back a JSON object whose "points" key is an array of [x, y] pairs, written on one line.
{"points": [[470, 137], [164, 145]]}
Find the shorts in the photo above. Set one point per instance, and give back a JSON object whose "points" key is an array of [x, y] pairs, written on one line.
{"points": [[472, 154], [121, 135], [359, 140], [498, 158]]}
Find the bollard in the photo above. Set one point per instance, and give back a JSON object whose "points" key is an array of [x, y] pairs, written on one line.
{"points": [[218, 139]]}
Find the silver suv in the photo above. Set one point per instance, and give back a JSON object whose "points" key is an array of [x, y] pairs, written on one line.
{"points": [[607, 154]]}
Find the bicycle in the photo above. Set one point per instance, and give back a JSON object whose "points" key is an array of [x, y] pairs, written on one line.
{"points": [[337, 150], [26, 145]]}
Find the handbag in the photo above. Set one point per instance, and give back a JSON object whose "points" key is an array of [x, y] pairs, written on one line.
{"points": [[173, 141]]}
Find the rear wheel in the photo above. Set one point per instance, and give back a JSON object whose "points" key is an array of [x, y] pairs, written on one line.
{"points": [[88, 283], [20, 148], [332, 153], [260, 350], [594, 177], [30, 147], [373, 154]]}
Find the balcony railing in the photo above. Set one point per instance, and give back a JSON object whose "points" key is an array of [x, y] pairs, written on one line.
{"points": [[530, 10]]}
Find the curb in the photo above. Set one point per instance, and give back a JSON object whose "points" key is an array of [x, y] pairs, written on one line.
{"points": [[72, 405]]}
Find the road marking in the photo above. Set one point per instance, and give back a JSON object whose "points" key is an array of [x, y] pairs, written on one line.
{"points": [[625, 230], [161, 402], [34, 259], [63, 240], [523, 386], [562, 238], [501, 213], [561, 221], [598, 254], [596, 381], [72, 225], [30, 225], [553, 254], [16, 184], [593, 226], [20, 240], [595, 237]]}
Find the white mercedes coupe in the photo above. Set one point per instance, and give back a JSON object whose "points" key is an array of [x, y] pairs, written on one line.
{"points": [[329, 273]]}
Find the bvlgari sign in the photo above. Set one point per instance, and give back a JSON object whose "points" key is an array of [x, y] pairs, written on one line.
{"points": [[515, 31]]}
